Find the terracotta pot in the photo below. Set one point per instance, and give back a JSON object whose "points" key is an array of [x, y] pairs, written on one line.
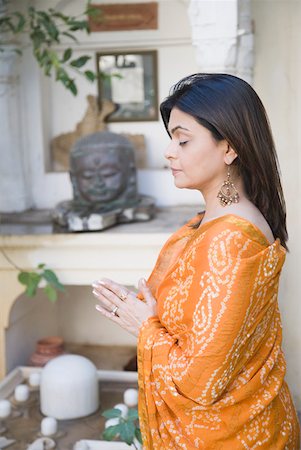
{"points": [[47, 349]]}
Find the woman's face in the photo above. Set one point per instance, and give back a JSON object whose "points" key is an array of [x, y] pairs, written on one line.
{"points": [[196, 159]]}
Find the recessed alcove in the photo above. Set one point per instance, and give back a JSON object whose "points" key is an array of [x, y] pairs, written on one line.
{"points": [[73, 317], [123, 253]]}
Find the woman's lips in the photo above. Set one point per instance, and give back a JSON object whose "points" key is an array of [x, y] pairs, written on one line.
{"points": [[175, 171]]}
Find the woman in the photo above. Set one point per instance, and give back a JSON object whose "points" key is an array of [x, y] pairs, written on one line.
{"points": [[211, 369]]}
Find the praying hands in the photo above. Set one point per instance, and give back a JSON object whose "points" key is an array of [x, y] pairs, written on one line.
{"points": [[122, 306]]}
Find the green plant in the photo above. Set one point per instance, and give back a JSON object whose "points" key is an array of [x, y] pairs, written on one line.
{"points": [[41, 275], [127, 429], [35, 278], [46, 29]]}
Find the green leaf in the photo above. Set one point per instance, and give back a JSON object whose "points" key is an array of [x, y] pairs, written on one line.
{"points": [[111, 432], [69, 35], [138, 435], [91, 76], [132, 414], [80, 62], [31, 290], [58, 15], [127, 432], [52, 279], [67, 55], [111, 413], [38, 38], [47, 68], [75, 25], [51, 293], [41, 266], [24, 277], [93, 12], [7, 25], [72, 87], [21, 22], [49, 27], [32, 283]]}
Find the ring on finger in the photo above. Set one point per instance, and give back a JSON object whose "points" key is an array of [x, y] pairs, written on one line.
{"points": [[114, 311], [123, 297]]}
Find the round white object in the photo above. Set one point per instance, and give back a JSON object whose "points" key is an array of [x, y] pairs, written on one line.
{"points": [[69, 387], [111, 422], [130, 397], [5, 409], [123, 408], [22, 393], [48, 426], [34, 379]]}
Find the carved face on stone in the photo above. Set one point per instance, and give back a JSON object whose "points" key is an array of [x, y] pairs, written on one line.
{"points": [[100, 176], [103, 172]]}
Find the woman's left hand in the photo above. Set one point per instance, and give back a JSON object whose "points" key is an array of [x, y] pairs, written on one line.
{"points": [[122, 306]]}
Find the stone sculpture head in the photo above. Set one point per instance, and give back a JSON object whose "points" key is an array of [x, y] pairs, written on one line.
{"points": [[103, 173]]}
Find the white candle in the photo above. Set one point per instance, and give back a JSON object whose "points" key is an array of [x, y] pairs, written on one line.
{"points": [[5, 409], [123, 408], [111, 422], [130, 397], [22, 393], [48, 426], [34, 379]]}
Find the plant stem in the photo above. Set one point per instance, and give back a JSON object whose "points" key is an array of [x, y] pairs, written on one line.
{"points": [[10, 260]]}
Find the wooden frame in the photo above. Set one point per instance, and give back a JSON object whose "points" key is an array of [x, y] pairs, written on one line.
{"points": [[129, 79]]}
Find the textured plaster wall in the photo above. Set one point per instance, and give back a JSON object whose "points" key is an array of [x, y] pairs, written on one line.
{"points": [[277, 81]]}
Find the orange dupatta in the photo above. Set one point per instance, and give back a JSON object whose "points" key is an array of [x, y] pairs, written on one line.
{"points": [[211, 369]]}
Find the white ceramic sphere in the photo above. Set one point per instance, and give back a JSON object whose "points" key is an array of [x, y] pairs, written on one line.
{"points": [[111, 422], [5, 408], [48, 426], [34, 379], [22, 393], [123, 408], [69, 387], [130, 397]]}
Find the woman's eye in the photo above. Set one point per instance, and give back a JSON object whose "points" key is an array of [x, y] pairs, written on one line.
{"points": [[183, 143]]}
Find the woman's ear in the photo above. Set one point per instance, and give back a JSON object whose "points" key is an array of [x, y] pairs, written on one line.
{"points": [[229, 155]]}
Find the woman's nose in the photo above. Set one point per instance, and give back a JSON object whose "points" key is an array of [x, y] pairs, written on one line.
{"points": [[170, 151]]}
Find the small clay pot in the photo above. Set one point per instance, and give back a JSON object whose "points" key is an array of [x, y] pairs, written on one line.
{"points": [[47, 349]]}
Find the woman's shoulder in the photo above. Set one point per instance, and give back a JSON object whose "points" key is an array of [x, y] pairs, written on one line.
{"points": [[246, 217]]}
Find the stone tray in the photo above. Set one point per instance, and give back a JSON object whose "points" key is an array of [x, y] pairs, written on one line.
{"points": [[87, 429]]}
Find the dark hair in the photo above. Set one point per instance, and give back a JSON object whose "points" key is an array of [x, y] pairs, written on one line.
{"points": [[230, 108]]}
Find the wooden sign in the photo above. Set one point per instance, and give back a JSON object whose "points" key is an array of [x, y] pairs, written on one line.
{"points": [[125, 17]]}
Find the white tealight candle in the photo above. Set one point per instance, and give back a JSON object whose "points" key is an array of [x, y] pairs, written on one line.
{"points": [[5, 409], [34, 379], [48, 426], [130, 397], [22, 393]]}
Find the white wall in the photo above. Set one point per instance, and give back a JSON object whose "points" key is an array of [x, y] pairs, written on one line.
{"points": [[277, 81], [53, 110]]}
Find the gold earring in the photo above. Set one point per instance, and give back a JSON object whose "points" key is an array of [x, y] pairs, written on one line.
{"points": [[228, 193]]}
